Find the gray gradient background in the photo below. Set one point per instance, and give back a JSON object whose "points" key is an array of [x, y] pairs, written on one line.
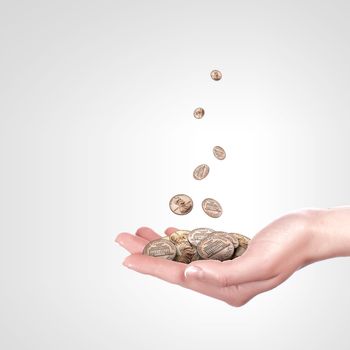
{"points": [[97, 133]]}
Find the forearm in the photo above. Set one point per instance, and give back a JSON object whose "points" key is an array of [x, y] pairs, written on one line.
{"points": [[330, 231]]}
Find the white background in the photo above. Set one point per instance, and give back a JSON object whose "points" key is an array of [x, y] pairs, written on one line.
{"points": [[97, 133]]}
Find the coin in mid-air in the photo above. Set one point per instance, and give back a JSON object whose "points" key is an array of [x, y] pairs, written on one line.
{"points": [[212, 207], [219, 152], [181, 204], [201, 172], [160, 248], [216, 247], [215, 74], [195, 236], [199, 113]]}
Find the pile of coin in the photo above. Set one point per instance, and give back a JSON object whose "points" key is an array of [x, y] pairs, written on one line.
{"points": [[198, 244]]}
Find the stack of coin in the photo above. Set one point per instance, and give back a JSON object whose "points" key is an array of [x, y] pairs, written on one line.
{"points": [[199, 244]]}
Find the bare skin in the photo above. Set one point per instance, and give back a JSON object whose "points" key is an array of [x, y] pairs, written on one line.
{"points": [[274, 254]]}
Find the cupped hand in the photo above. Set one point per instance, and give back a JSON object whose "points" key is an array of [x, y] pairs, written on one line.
{"points": [[273, 255]]}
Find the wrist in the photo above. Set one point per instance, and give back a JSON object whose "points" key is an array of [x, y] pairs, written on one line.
{"points": [[329, 232]]}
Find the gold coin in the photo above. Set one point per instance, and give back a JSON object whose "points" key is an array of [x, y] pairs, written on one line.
{"points": [[184, 249], [219, 152], [243, 240], [160, 248], [233, 238], [201, 172], [195, 236], [184, 252], [196, 256], [216, 246], [216, 74], [179, 236], [212, 208], [199, 113], [181, 204]]}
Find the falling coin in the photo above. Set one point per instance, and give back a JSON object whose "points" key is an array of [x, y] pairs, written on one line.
{"points": [[216, 75], [216, 247], [219, 152], [181, 204], [212, 208], [201, 172], [195, 236], [198, 113], [160, 248]]}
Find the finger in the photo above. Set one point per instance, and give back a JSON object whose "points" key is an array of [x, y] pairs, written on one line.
{"points": [[241, 270], [175, 272], [131, 243], [147, 233], [167, 270], [170, 230]]}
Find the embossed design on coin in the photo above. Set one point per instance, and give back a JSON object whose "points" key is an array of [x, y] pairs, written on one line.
{"points": [[201, 172], [196, 256], [243, 240], [195, 236], [184, 252], [216, 247], [230, 236], [212, 208], [160, 248], [181, 204], [216, 74], [219, 153], [199, 113], [179, 236]]}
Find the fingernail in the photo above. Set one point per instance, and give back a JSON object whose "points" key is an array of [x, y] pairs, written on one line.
{"points": [[119, 241], [127, 264], [193, 271]]}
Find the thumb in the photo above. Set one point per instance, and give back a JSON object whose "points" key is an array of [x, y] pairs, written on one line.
{"points": [[232, 272]]}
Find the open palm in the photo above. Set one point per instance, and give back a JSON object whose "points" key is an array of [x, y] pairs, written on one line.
{"points": [[273, 255]]}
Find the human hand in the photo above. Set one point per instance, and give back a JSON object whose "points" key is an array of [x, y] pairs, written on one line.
{"points": [[274, 254]]}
